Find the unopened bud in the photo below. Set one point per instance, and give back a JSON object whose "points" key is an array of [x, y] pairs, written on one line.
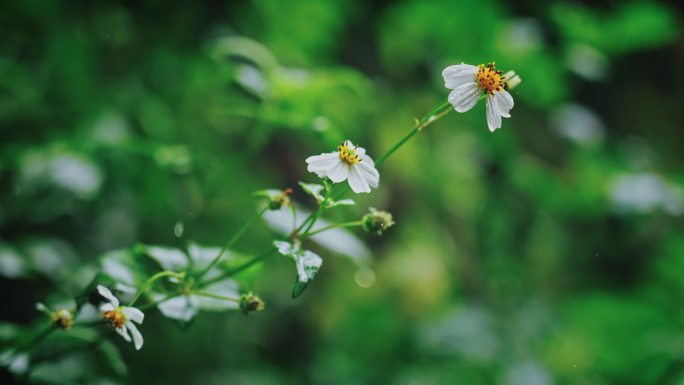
{"points": [[280, 199], [377, 221], [250, 302], [512, 80], [62, 319]]}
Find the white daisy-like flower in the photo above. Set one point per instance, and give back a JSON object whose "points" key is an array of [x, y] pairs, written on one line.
{"points": [[468, 82], [121, 316], [348, 162]]}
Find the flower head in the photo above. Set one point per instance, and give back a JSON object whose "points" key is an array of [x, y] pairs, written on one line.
{"points": [[62, 319], [468, 82], [276, 198], [251, 302], [120, 317], [377, 221], [348, 162]]}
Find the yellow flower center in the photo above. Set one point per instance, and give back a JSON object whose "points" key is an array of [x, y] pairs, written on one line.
{"points": [[115, 317], [489, 78], [347, 154]]}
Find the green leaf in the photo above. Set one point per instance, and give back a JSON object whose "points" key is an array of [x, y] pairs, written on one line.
{"points": [[314, 190], [227, 288], [113, 357], [168, 258], [340, 241], [120, 266], [181, 308], [343, 202], [307, 264], [99, 279]]}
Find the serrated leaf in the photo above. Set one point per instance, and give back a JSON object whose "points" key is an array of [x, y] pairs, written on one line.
{"points": [[314, 190], [339, 240], [227, 288], [202, 256], [307, 264], [182, 308], [100, 278], [168, 258]]}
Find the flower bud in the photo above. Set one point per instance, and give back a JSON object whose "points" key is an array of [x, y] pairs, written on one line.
{"points": [[279, 199], [250, 302], [62, 319], [377, 221], [512, 80]]}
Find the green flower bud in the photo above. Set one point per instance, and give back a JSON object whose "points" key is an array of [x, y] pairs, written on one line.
{"points": [[62, 319], [250, 302], [377, 221], [282, 198]]}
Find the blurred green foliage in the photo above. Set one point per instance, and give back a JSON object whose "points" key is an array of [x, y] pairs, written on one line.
{"points": [[550, 252]]}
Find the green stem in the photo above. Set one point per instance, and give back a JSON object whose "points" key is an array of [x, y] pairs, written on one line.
{"points": [[155, 303], [217, 296], [334, 226], [36, 339], [152, 279], [230, 243], [429, 118], [240, 268]]}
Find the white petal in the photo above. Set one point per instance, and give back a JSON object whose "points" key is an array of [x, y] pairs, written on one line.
{"points": [[493, 117], [349, 144], [321, 162], [507, 98], [458, 74], [123, 332], [137, 337], [464, 97], [338, 173], [106, 307], [497, 105], [360, 151], [369, 173], [133, 314], [108, 295], [357, 182]]}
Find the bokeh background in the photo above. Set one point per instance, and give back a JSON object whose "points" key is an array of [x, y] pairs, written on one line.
{"points": [[549, 252]]}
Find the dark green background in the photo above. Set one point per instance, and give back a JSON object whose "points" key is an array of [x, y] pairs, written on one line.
{"points": [[549, 252]]}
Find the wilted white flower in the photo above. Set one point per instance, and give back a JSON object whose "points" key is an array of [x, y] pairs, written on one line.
{"points": [[121, 316], [348, 162], [468, 82]]}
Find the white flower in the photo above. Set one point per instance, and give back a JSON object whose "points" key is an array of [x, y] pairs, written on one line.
{"points": [[121, 316], [348, 162], [468, 82]]}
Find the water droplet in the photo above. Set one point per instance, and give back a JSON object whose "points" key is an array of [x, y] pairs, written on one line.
{"points": [[364, 277], [178, 229]]}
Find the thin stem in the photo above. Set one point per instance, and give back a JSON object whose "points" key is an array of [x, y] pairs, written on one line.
{"points": [[155, 303], [36, 339], [152, 279], [429, 118], [240, 268], [230, 243], [217, 296], [334, 226]]}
